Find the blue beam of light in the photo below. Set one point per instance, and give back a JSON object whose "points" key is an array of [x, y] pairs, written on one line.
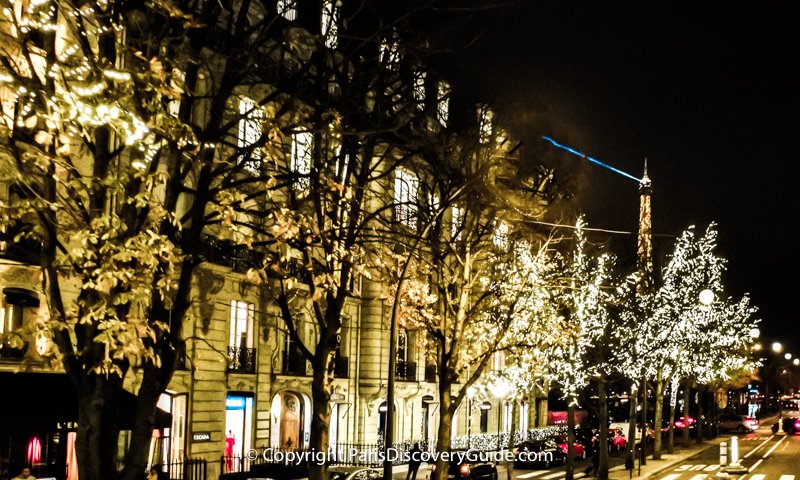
{"points": [[593, 160]]}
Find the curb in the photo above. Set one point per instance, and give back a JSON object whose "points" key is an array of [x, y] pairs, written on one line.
{"points": [[689, 454]]}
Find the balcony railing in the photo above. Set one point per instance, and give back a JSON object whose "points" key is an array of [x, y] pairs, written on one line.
{"points": [[406, 371], [241, 360], [294, 363]]}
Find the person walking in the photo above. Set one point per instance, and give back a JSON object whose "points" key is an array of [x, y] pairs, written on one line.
{"points": [[414, 461]]}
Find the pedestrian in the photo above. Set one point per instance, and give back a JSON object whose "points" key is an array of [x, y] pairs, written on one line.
{"points": [[592, 470], [414, 461], [25, 475]]}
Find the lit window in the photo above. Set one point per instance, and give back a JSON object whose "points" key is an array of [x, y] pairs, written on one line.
{"points": [[499, 361], [250, 126], [485, 124], [406, 192], [456, 220], [501, 235], [287, 9], [330, 23], [389, 53], [241, 325], [443, 102], [19, 308], [302, 143], [419, 88]]}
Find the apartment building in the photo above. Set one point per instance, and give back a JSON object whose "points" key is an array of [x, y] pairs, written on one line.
{"points": [[244, 383]]}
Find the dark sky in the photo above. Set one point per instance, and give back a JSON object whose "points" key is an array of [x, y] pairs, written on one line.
{"points": [[704, 89]]}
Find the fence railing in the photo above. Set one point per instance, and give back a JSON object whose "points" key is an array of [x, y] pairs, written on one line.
{"points": [[188, 469]]}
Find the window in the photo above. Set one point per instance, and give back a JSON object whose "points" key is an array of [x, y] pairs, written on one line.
{"points": [[250, 126], [330, 23], [443, 102], [499, 361], [389, 52], [406, 192], [456, 221], [500, 238], [287, 9], [19, 308], [241, 324], [419, 88], [485, 407], [524, 412], [508, 416], [302, 143], [485, 124]]}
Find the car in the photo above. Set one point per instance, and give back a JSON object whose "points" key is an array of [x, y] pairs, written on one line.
{"points": [[790, 425], [739, 423], [543, 453], [563, 443], [466, 467], [616, 439], [680, 423], [625, 426], [337, 472]]}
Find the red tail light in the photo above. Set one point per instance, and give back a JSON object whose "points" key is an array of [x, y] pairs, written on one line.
{"points": [[797, 425], [464, 470]]}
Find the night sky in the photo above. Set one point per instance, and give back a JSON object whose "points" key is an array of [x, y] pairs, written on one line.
{"points": [[704, 90]]}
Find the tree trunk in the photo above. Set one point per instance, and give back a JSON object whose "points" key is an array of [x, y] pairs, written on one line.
{"points": [[686, 396], [631, 430], [602, 444], [570, 440], [642, 455], [659, 413], [514, 428], [445, 430], [321, 412], [98, 427], [671, 432], [699, 422]]}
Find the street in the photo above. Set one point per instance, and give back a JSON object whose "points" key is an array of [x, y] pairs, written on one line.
{"points": [[764, 455]]}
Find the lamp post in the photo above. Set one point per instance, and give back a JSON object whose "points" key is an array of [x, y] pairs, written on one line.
{"points": [[500, 389], [470, 394]]}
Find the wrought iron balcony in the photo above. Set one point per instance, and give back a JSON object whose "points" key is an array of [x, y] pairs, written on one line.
{"points": [[241, 360], [406, 371]]}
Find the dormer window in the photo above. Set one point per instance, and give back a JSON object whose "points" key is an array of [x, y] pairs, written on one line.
{"points": [[287, 9], [330, 23], [443, 102]]}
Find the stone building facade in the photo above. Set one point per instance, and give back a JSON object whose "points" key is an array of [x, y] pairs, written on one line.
{"points": [[243, 384]]}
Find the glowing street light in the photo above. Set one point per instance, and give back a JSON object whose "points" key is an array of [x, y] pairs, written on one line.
{"points": [[788, 356], [707, 297], [755, 332], [777, 347], [796, 362]]}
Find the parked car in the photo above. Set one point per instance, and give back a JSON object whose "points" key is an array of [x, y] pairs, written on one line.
{"points": [[354, 473], [616, 439], [544, 453], [462, 468], [625, 426], [563, 443], [739, 423], [790, 425]]}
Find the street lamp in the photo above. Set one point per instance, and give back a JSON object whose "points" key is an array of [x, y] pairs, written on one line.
{"points": [[777, 347], [788, 356], [470, 394], [755, 332], [796, 362], [500, 389], [707, 297]]}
